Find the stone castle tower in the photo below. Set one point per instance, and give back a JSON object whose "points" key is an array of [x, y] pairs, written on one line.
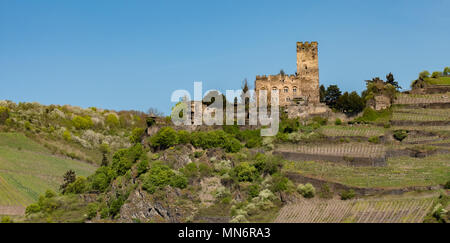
{"points": [[303, 86]]}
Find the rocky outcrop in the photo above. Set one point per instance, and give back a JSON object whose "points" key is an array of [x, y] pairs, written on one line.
{"points": [[143, 207]]}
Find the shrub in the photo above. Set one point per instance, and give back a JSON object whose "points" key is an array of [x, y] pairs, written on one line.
{"points": [[115, 205], [232, 145], [204, 170], [4, 114], [6, 220], [190, 170], [92, 209], [112, 121], [436, 74], [166, 137], [160, 176], [253, 143], [198, 154], [253, 190], [124, 159], [325, 191], [67, 136], [102, 178], [374, 139], [348, 194], [142, 167], [338, 122], [307, 191], [245, 172], [447, 185], [32, 208], [81, 122], [267, 165], [424, 74], [320, 120], [77, 187], [400, 135], [136, 135], [184, 137], [280, 183], [49, 194]]}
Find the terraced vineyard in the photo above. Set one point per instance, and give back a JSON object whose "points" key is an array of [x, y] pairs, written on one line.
{"points": [[356, 211], [351, 131], [411, 116], [422, 99], [27, 169], [345, 150]]}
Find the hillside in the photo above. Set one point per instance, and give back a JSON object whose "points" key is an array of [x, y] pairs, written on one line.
{"points": [[28, 169]]}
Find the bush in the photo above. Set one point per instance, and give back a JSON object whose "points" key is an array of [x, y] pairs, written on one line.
{"points": [[136, 135], [92, 209], [77, 187], [184, 137], [142, 167], [160, 176], [267, 165], [349, 194], [253, 190], [280, 183], [307, 191], [232, 145], [447, 185], [166, 137], [325, 191], [4, 114], [32, 208], [245, 172], [124, 159], [82, 122], [320, 120], [190, 170], [6, 220], [253, 143], [374, 139], [67, 136], [338, 122], [49, 194], [102, 178], [112, 121], [400, 135]]}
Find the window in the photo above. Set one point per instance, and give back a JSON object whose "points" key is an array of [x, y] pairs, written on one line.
{"points": [[274, 88], [286, 89], [288, 99], [294, 89]]}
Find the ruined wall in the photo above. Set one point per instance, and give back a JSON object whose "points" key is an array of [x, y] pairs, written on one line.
{"points": [[287, 86]]}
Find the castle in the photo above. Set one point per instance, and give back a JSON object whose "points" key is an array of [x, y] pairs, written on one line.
{"points": [[299, 93]]}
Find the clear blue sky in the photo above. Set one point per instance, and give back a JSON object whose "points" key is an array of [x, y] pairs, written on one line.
{"points": [[133, 54]]}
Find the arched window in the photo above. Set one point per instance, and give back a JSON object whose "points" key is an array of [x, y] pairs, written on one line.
{"points": [[294, 89], [274, 88], [286, 89], [288, 99]]}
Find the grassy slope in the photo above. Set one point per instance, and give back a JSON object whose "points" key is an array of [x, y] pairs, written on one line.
{"points": [[438, 81], [27, 169]]}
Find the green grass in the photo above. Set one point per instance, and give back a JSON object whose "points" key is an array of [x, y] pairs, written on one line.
{"points": [[400, 172], [27, 170], [438, 81]]}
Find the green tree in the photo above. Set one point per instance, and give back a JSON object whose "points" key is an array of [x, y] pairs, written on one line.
{"points": [[82, 122], [4, 114], [69, 177], [245, 172], [332, 95], [136, 135], [446, 71], [164, 138], [436, 74], [391, 80], [424, 74], [112, 121], [322, 92]]}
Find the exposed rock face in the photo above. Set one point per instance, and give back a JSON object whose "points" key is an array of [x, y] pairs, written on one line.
{"points": [[143, 207], [304, 111]]}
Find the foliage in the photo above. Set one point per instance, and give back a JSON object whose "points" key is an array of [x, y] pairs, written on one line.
{"points": [[348, 194], [123, 159], [77, 187], [82, 122], [400, 135], [245, 172], [142, 167], [4, 114], [160, 176], [307, 191], [6, 220], [136, 135], [67, 136], [332, 95], [350, 103], [338, 122], [280, 183], [112, 121], [69, 177], [374, 139], [424, 74], [184, 137], [166, 137], [101, 179]]}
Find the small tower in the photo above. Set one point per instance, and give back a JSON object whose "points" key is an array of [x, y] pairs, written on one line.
{"points": [[308, 70]]}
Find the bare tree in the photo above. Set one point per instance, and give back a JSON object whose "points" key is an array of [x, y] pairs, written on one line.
{"points": [[155, 112]]}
